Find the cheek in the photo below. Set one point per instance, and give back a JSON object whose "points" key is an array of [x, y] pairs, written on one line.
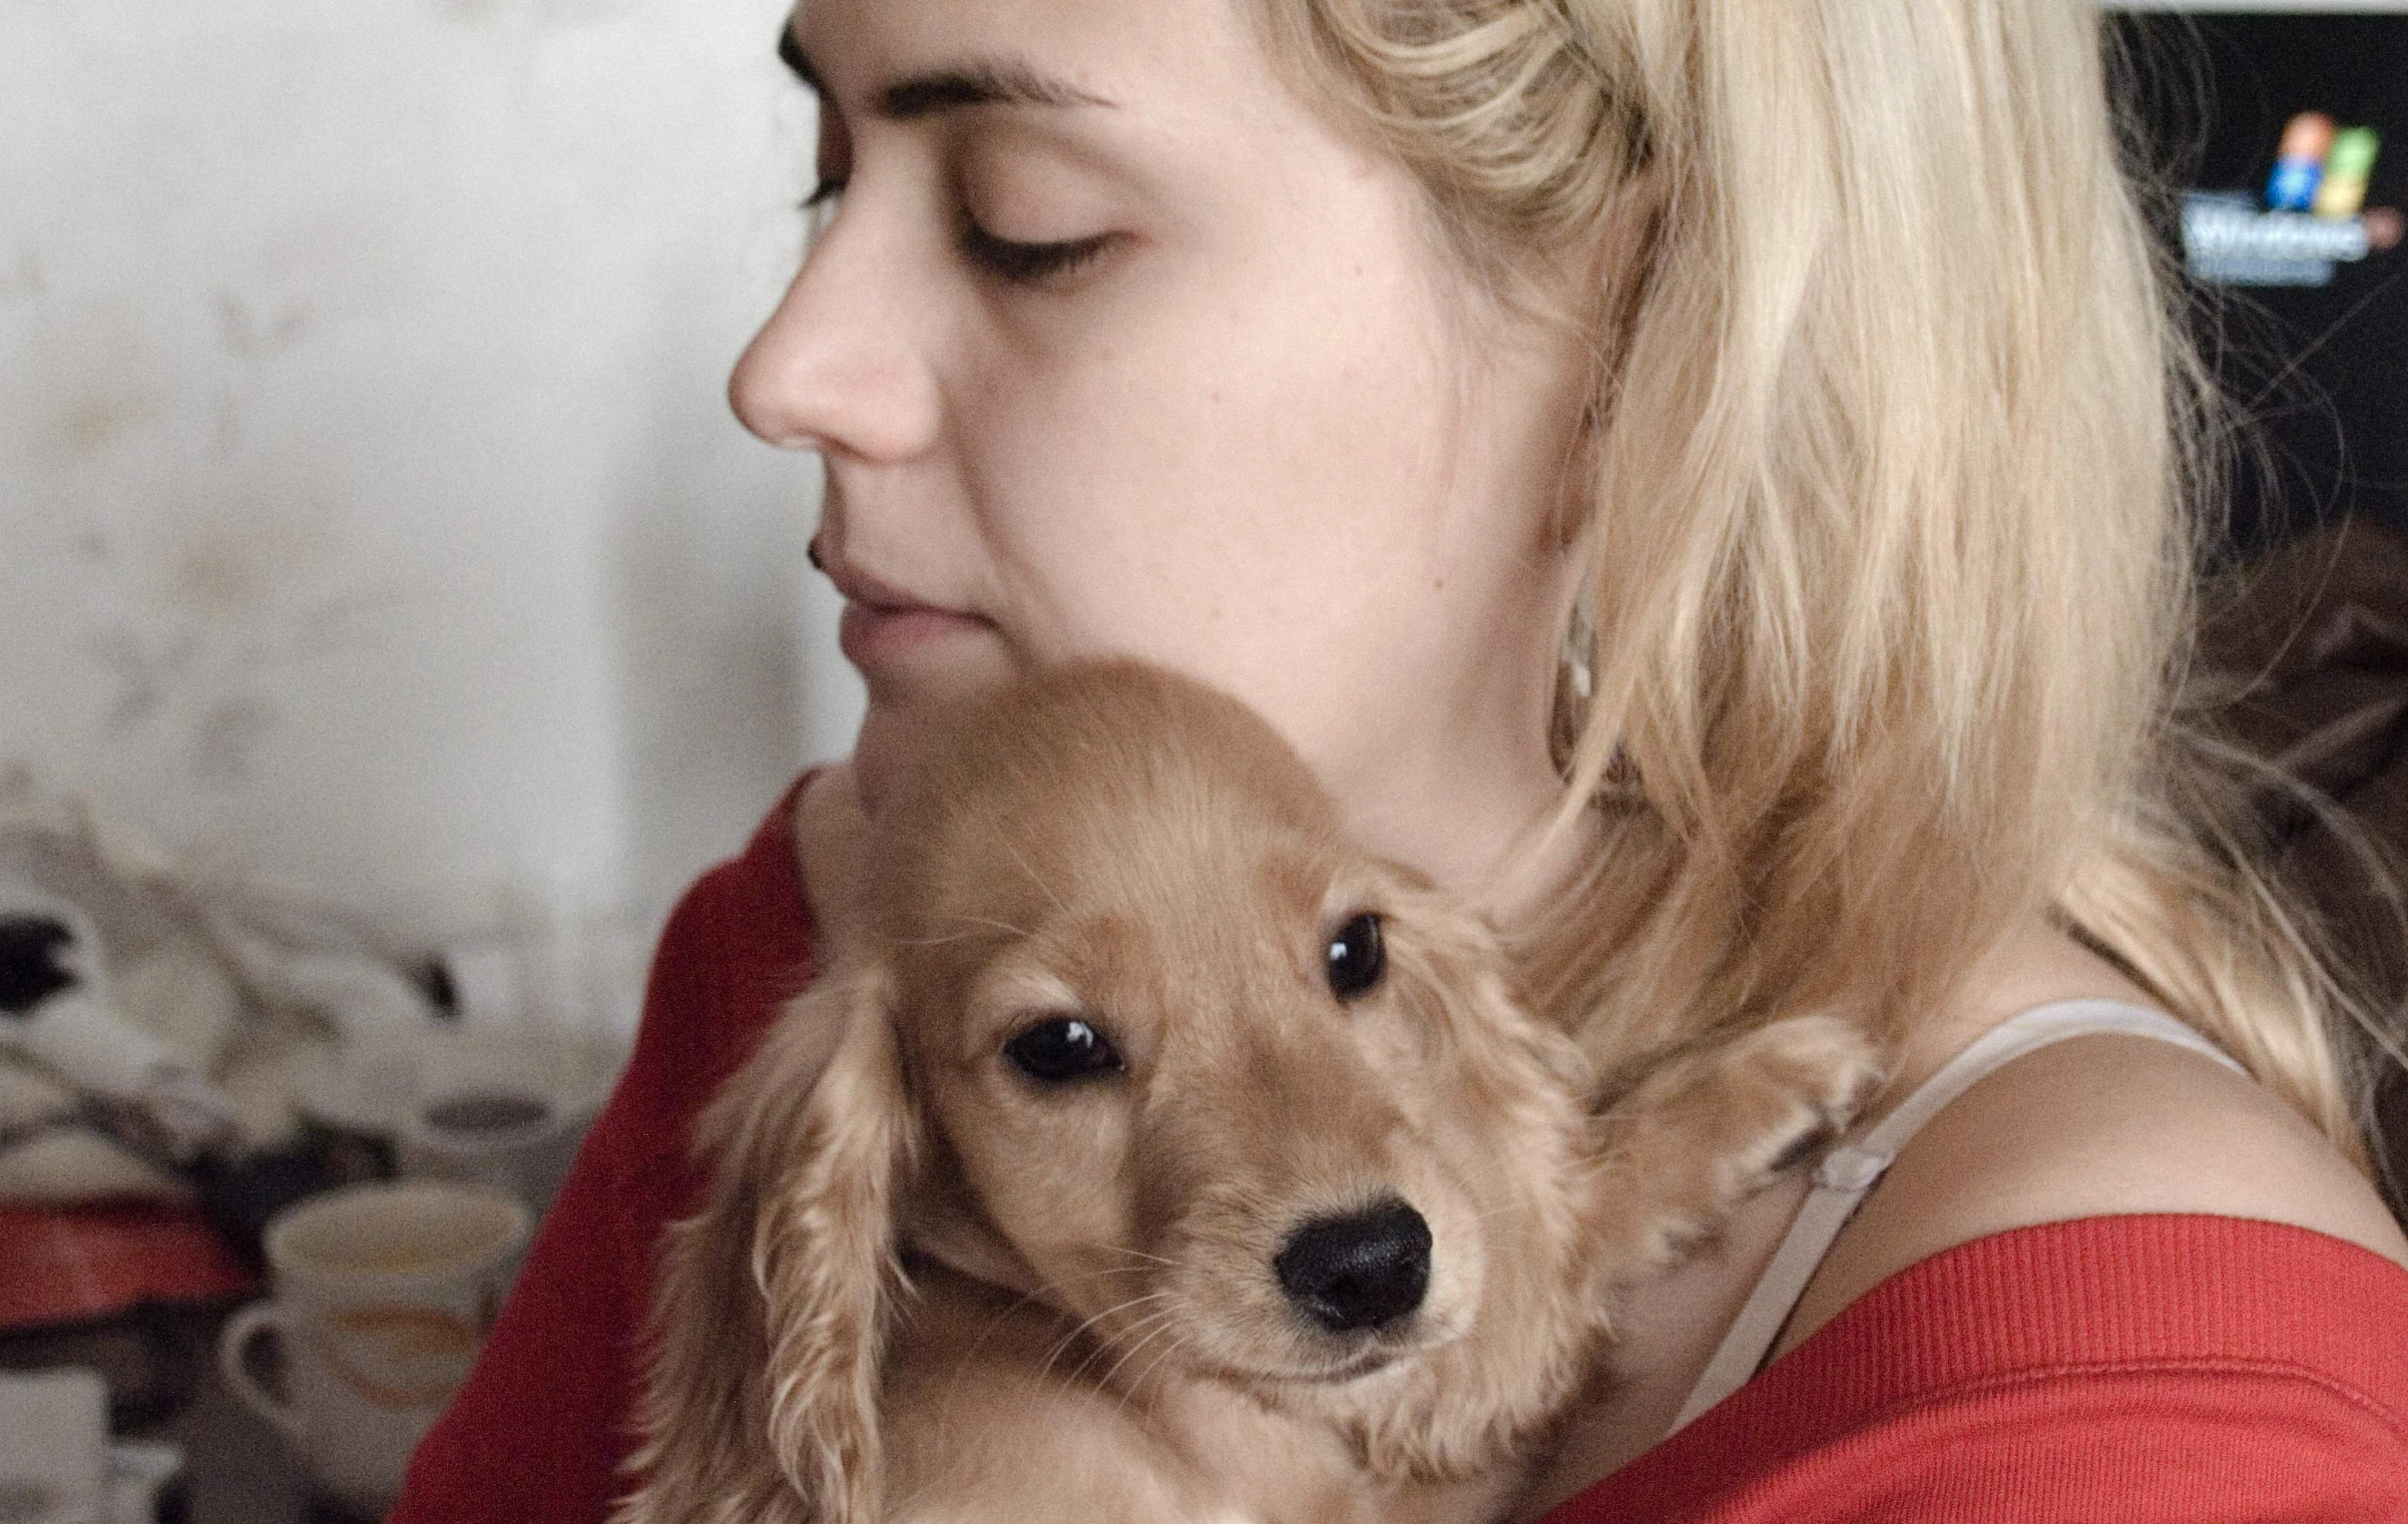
{"points": [[1052, 1182], [1226, 489], [1190, 443], [1523, 1217]]}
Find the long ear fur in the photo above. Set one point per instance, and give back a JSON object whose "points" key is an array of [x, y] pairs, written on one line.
{"points": [[1476, 1401], [773, 1307]]}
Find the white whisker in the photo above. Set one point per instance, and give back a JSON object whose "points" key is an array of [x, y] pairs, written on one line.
{"points": [[1118, 1307], [1153, 1322], [1037, 1297], [1140, 1383], [1131, 1355]]}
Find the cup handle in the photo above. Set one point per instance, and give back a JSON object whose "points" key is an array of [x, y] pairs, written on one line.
{"points": [[234, 1341]]}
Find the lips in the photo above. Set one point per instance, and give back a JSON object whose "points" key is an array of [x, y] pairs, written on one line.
{"points": [[884, 625], [859, 586]]}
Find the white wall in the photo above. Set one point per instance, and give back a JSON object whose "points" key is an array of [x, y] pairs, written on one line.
{"points": [[368, 500]]}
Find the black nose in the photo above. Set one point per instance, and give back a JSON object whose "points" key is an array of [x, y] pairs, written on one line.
{"points": [[1359, 1272]]}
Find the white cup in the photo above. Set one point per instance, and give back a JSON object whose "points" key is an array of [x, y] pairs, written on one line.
{"points": [[383, 1295], [54, 1435], [505, 1132]]}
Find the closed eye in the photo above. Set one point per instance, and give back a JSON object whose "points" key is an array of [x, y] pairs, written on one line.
{"points": [[1028, 264], [1020, 262]]}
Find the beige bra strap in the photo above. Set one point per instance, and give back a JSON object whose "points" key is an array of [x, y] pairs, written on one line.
{"points": [[1849, 1171]]}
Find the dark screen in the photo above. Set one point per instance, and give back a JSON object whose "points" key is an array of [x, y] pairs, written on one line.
{"points": [[2322, 369]]}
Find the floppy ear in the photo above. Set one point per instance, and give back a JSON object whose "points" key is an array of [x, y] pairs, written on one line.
{"points": [[773, 1305], [1475, 1401]]}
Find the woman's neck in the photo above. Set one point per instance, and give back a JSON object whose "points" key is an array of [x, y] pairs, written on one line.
{"points": [[1496, 842]]}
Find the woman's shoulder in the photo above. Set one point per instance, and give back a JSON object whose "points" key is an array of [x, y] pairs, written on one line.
{"points": [[740, 943], [2093, 1126], [2112, 1278], [2146, 1368]]}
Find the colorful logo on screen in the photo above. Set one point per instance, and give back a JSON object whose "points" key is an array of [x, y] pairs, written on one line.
{"points": [[2322, 169], [2314, 219]]}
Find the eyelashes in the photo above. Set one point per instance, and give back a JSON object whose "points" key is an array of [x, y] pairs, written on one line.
{"points": [[1028, 264], [820, 210], [1021, 264]]}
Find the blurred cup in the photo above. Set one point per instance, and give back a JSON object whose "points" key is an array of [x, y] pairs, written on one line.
{"points": [[383, 1295], [510, 1133], [54, 1431]]}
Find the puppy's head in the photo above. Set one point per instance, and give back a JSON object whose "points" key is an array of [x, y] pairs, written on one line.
{"points": [[1247, 1102], [1139, 1035]]}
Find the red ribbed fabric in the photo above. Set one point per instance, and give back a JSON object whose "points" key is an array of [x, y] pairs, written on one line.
{"points": [[2141, 1368], [2144, 1368], [536, 1435]]}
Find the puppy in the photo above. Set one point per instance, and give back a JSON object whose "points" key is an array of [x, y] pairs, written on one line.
{"points": [[1176, 1160]]}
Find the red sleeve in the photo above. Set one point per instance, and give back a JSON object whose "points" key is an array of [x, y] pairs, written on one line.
{"points": [[536, 1435], [2156, 1370]]}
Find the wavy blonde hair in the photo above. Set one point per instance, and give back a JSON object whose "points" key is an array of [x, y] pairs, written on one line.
{"points": [[1892, 538]]}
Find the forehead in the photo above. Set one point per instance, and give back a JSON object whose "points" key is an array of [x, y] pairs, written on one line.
{"points": [[1195, 879], [1124, 911], [1150, 54], [1210, 861]]}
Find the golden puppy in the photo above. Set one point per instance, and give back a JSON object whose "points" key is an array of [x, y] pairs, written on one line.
{"points": [[1175, 1162]]}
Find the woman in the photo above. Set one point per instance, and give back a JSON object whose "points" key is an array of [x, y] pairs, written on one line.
{"points": [[1706, 476]]}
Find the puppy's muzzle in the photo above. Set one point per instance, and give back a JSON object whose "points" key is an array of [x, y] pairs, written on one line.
{"points": [[1363, 1271]]}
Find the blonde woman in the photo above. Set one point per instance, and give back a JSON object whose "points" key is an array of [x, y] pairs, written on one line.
{"points": [[1706, 476]]}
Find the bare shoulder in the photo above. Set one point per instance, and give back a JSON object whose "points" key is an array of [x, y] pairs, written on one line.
{"points": [[2091, 1127]]}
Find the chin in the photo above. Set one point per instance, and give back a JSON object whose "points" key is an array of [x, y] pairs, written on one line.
{"points": [[879, 754], [901, 726]]}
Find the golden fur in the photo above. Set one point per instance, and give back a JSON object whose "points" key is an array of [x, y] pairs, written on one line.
{"points": [[929, 1287]]}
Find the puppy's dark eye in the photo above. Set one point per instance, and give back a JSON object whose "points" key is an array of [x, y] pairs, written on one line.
{"points": [[1356, 958], [1063, 1048]]}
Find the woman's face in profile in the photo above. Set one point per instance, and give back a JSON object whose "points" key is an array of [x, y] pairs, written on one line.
{"points": [[1112, 344]]}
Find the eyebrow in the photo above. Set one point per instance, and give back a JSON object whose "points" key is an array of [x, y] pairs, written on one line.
{"points": [[956, 87]]}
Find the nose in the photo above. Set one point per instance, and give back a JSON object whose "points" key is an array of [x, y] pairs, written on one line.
{"points": [[839, 366], [1363, 1271]]}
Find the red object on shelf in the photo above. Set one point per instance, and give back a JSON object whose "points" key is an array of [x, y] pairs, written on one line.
{"points": [[74, 1264]]}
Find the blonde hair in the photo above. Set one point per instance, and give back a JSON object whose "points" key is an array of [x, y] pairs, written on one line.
{"points": [[1892, 540]]}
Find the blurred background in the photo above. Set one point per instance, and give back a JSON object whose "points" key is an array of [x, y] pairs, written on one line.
{"points": [[392, 618], [369, 507]]}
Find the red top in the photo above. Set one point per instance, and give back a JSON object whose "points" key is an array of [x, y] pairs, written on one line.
{"points": [[2142, 1368]]}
